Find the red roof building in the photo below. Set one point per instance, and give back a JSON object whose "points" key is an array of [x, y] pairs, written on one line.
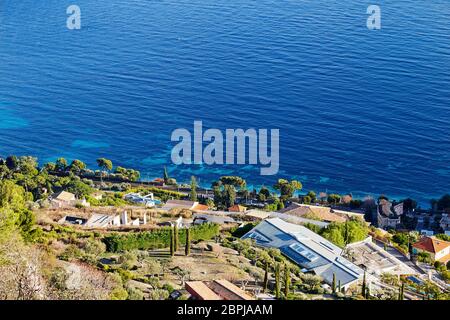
{"points": [[438, 249]]}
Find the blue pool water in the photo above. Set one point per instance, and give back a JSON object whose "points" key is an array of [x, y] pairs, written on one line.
{"points": [[359, 111]]}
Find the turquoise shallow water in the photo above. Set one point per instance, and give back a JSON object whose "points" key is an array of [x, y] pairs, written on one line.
{"points": [[358, 111]]}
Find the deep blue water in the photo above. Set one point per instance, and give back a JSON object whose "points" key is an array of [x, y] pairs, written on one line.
{"points": [[359, 111]]}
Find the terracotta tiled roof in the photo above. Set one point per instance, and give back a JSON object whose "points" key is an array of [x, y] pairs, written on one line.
{"points": [[236, 292], [431, 244], [445, 259], [237, 208], [200, 207], [201, 291], [311, 212]]}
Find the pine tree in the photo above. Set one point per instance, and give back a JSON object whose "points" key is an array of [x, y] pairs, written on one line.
{"points": [[333, 284], [266, 277], [187, 249], [277, 281], [287, 280]]}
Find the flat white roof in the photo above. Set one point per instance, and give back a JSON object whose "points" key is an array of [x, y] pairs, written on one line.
{"points": [[316, 242]]}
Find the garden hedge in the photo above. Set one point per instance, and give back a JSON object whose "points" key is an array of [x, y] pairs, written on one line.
{"points": [[155, 239]]}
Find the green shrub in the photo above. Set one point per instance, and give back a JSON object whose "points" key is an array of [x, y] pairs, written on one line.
{"points": [[71, 252], [150, 240], [168, 287], [446, 275], [119, 294], [125, 275], [239, 232], [94, 247], [134, 293], [424, 257]]}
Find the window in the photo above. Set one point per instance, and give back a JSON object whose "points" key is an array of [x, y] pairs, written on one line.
{"points": [[301, 250], [257, 237]]}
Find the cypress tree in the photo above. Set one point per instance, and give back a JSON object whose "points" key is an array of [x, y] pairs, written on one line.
{"points": [[363, 289], [333, 284], [166, 176], [277, 281], [175, 238], [402, 296], [339, 286], [287, 280], [266, 277], [401, 289], [172, 246], [193, 193], [187, 249]]}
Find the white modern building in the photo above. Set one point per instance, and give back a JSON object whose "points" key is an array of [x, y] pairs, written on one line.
{"points": [[147, 200], [307, 249]]}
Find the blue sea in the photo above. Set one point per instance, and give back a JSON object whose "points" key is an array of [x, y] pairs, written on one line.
{"points": [[359, 111]]}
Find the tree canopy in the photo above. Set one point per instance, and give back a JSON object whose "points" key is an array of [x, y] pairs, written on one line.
{"points": [[104, 164], [287, 188]]}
